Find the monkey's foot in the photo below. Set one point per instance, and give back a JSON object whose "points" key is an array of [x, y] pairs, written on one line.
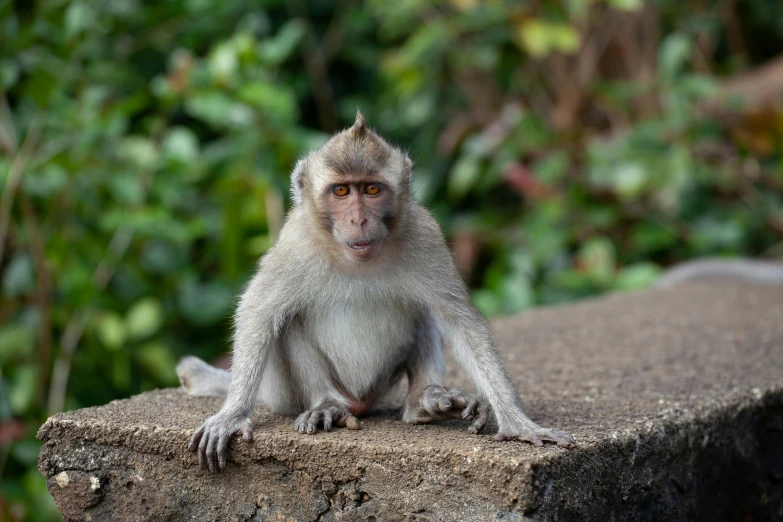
{"points": [[211, 439], [439, 403], [326, 415], [536, 435]]}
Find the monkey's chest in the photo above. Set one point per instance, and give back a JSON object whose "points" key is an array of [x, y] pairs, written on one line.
{"points": [[363, 340]]}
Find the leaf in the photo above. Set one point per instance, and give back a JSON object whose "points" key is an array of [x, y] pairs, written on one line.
{"points": [[127, 189], [46, 181], [223, 63], [463, 176], [78, 17], [219, 110], [144, 318], [489, 304], [9, 73], [551, 168], [516, 293], [270, 99], [626, 5], [418, 109], [673, 54], [41, 86], [16, 341], [204, 303], [629, 180], [274, 51], [596, 258], [156, 358], [539, 37], [639, 275], [180, 145], [111, 331], [139, 151], [19, 276], [23, 384], [26, 451], [162, 257]]}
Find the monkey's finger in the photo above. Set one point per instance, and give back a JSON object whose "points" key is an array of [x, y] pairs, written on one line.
{"points": [[460, 398], [328, 416], [202, 447], [532, 439], [247, 431], [221, 452], [482, 416], [470, 409], [211, 457], [431, 405], [301, 422], [561, 438], [195, 438], [444, 404], [313, 421]]}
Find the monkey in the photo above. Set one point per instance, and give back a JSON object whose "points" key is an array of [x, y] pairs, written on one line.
{"points": [[753, 271], [358, 290]]}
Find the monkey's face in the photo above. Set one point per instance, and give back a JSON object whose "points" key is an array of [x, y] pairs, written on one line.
{"points": [[359, 214]]}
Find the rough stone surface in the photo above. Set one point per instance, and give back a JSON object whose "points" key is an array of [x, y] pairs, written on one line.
{"points": [[675, 398]]}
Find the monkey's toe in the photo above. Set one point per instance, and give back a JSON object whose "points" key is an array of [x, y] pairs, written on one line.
{"points": [[440, 403], [537, 436], [325, 416]]}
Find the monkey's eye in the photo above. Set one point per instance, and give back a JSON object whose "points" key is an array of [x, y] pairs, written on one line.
{"points": [[340, 190], [372, 190]]}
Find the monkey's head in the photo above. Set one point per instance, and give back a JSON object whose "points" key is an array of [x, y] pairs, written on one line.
{"points": [[356, 186]]}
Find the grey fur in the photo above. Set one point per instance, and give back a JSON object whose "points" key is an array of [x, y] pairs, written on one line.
{"points": [[312, 325]]}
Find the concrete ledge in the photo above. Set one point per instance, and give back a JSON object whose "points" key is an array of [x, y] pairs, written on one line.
{"points": [[675, 398]]}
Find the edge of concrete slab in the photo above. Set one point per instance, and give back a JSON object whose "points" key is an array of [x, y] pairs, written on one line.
{"points": [[685, 468], [678, 447]]}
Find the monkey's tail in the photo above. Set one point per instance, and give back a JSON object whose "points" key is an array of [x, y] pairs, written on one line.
{"points": [[202, 379], [753, 271]]}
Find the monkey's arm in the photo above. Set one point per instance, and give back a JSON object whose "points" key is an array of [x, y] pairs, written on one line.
{"points": [[474, 345], [263, 310], [472, 339]]}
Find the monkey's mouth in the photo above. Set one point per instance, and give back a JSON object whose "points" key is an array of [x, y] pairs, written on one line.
{"points": [[360, 246]]}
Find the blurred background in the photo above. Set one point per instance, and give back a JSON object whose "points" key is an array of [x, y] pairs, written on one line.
{"points": [[568, 148]]}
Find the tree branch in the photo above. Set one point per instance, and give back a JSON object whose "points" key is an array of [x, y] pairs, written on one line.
{"points": [[18, 165]]}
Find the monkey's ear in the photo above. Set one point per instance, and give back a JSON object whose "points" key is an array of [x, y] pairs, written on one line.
{"points": [[407, 166], [359, 126], [297, 181]]}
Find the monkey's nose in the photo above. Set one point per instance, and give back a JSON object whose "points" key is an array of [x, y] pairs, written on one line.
{"points": [[359, 222]]}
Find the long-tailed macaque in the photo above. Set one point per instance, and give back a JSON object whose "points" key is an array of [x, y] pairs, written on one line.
{"points": [[359, 289]]}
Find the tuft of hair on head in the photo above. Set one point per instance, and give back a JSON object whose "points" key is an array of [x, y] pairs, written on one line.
{"points": [[359, 126]]}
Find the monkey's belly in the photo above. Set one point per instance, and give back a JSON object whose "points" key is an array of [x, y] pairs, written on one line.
{"points": [[364, 342]]}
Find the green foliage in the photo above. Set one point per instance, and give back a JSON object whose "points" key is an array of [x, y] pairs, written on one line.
{"points": [[566, 149]]}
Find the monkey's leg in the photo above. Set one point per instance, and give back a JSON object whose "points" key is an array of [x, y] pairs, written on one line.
{"points": [[312, 375], [202, 379], [427, 400]]}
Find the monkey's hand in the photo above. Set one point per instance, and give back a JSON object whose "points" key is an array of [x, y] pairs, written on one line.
{"points": [[211, 439], [531, 432], [438, 403], [326, 415]]}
